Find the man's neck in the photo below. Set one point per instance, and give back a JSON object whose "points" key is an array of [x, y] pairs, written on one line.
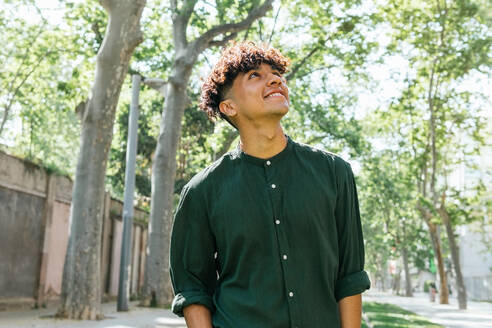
{"points": [[263, 143]]}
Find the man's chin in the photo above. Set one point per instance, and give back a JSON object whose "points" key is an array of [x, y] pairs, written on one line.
{"points": [[283, 111], [276, 112], [280, 110]]}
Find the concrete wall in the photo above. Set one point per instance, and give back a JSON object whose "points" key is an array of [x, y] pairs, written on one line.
{"points": [[57, 248], [476, 263], [479, 288], [20, 240], [34, 221]]}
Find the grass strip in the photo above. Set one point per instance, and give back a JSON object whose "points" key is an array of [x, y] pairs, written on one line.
{"points": [[384, 315]]}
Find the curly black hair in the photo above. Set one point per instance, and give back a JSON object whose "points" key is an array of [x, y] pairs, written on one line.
{"points": [[239, 57]]}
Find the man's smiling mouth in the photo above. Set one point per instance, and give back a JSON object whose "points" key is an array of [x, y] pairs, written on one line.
{"points": [[275, 94]]}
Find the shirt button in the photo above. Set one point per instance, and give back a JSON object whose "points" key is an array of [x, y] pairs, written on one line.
{"points": [[274, 186], [284, 257], [277, 221], [268, 162], [291, 294]]}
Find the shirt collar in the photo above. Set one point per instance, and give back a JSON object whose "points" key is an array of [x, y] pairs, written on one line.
{"points": [[265, 161]]}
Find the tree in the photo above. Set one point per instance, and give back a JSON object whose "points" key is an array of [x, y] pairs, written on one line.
{"points": [[445, 42], [392, 225], [322, 108], [26, 49], [81, 293], [157, 287], [36, 99]]}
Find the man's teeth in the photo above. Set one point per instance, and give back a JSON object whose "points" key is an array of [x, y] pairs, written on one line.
{"points": [[274, 94]]}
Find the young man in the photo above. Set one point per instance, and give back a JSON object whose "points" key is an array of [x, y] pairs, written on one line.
{"points": [[269, 235]]}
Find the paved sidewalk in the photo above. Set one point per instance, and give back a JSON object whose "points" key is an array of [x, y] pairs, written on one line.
{"points": [[137, 317], [477, 314]]}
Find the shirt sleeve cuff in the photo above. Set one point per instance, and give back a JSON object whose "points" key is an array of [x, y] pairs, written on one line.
{"points": [[352, 284], [181, 300]]}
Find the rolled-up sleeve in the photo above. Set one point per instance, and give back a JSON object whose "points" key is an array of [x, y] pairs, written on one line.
{"points": [[192, 263], [351, 279]]}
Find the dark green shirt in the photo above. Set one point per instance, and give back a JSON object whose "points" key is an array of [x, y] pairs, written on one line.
{"points": [[270, 243]]}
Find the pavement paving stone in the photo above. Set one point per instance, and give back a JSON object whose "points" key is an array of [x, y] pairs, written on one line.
{"points": [[137, 317], [478, 315]]}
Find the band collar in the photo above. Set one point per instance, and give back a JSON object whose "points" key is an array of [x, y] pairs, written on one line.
{"points": [[265, 161]]}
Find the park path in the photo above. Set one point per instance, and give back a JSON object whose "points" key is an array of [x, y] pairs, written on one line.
{"points": [[137, 317], [477, 315]]}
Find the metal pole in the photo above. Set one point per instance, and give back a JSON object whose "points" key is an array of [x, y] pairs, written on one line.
{"points": [[131, 152]]}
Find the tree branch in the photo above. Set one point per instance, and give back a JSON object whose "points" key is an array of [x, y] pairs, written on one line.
{"points": [[432, 132], [16, 90], [274, 24], [106, 4], [247, 33], [174, 6], [319, 68], [230, 136], [180, 22], [260, 30], [204, 40], [303, 61], [95, 29], [219, 43], [26, 54]]}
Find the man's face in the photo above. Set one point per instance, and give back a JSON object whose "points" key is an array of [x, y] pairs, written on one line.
{"points": [[258, 94]]}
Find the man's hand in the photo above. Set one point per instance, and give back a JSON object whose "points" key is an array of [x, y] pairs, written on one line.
{"points": [[197, 316], [350, 309]]}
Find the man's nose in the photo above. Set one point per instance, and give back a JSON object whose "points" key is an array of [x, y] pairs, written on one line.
{"points": [[274, 79]]}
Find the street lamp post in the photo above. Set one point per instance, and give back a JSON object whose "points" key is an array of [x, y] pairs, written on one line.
{"points": [[131, 152]]}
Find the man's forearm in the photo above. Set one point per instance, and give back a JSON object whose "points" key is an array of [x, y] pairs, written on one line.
{"points": [[197, 316], [350, 309]]}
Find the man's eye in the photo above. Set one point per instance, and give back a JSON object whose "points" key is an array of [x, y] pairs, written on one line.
{"points": [[253, 74]]}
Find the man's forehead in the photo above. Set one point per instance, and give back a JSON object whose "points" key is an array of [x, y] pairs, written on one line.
{"points": [[259, 67]]}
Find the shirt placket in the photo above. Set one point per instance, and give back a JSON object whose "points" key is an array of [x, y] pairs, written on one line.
{"points": [[275, 189]]}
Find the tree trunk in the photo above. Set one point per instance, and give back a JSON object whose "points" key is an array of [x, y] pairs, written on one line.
{"points": [[157, 287], [81, 292], [436, 243], [432, 91], [455, 255], [408, 281], [396, 282], [230, 136]]}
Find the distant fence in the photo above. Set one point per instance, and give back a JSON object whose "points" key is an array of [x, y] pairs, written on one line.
{"points": [[34, 231]]}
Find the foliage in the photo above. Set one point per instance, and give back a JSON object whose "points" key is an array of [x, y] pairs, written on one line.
{"points": [[332, 42], [41, 82], [391, 224]]}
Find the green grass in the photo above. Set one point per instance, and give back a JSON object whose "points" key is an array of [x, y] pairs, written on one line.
{"points": [[386, 315]]}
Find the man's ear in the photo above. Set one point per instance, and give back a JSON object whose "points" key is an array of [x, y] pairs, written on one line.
{"points": [[227, 108]]}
